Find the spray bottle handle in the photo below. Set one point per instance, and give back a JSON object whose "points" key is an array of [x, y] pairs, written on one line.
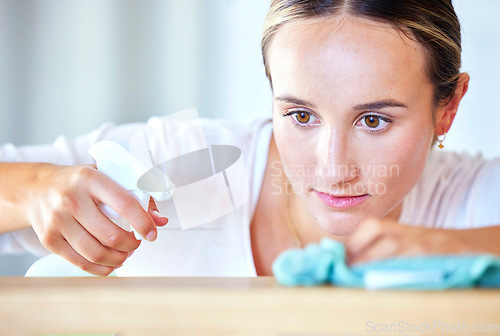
{"points": [[115, 161]]}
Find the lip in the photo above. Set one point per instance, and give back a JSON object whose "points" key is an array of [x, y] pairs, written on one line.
{"points": [[341, 202]]}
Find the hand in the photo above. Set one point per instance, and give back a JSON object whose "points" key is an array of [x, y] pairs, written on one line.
{"points": [[377, 239], [61, 206]]}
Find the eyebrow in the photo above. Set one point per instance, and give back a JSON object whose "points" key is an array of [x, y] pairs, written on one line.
{"points": [[295, 101], [376, 105]]}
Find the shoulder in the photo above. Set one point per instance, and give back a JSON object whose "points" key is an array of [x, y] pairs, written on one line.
{"points": [[455, 170], [484, 196], [456, 190]]}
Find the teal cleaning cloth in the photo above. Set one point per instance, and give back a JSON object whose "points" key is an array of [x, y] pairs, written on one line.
{"points": [[324, 263]]}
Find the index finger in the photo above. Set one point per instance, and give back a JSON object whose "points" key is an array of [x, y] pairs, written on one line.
{"points": [[107, 191]]}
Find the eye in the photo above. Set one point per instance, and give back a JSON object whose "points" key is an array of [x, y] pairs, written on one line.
{"points": [[374, 123], [302, 118]]}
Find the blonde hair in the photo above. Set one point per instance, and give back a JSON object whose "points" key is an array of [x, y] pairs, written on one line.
{"points": [[433, 23]]}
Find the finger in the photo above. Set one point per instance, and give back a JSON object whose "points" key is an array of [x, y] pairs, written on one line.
{"points": [[104, 230], [90, 248], [155, 214], [65, 250], [158, 218], [122, 201], [152, 204]]}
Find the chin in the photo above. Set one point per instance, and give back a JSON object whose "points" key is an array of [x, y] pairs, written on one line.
{"points": [[339, 224]]}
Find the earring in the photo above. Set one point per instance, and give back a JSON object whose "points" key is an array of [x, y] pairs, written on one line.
{"points": [[440, 140]]}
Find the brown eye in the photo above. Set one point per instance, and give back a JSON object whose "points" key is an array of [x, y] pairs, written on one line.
{"points": [[303, 117], [372, 121]]}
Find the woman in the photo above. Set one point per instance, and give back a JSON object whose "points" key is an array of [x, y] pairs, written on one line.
{"points": [[361, 90]]}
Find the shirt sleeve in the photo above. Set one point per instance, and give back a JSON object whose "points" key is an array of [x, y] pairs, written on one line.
{"points": [[165, 138], [66, 151], [63, 151]]}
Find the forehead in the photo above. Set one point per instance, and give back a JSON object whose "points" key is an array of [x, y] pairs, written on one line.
{"points": [[338, 51]]}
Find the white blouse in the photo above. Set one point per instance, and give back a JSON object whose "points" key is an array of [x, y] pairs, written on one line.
{"points": [[455, 191]]}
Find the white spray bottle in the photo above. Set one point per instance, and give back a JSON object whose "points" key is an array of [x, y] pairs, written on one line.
{"points": [[143, 180]]}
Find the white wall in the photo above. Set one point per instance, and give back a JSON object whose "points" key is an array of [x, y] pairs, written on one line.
{"points": [[67, 66], [476, 129]]}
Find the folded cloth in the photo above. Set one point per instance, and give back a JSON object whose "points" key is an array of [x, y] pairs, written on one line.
{"points": [[325, 263]]}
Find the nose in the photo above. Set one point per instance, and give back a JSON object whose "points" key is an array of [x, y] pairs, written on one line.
{"points": [[335, 158]]}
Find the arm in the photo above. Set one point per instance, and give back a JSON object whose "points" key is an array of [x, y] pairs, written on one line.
{"points": [[469, 198], [377, 239], [60, 203], [57, 199]]}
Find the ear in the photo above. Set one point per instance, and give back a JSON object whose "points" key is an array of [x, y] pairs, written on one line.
{"points": [[446, 113]]}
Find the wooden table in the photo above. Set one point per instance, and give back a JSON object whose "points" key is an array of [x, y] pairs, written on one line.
{"points": [[234, 306]]}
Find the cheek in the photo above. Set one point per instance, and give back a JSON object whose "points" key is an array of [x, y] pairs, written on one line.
{"points": [[403, 164], [295, 152]]}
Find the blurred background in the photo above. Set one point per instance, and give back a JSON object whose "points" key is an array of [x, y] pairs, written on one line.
{"points": [[68, 66]]}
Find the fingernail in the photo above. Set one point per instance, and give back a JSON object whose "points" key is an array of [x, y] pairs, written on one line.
{"points": [[130, 254], [151, 236], [157, 213]]}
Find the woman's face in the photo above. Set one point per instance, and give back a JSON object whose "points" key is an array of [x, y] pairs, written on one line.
{"points": [[352, 117]]}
